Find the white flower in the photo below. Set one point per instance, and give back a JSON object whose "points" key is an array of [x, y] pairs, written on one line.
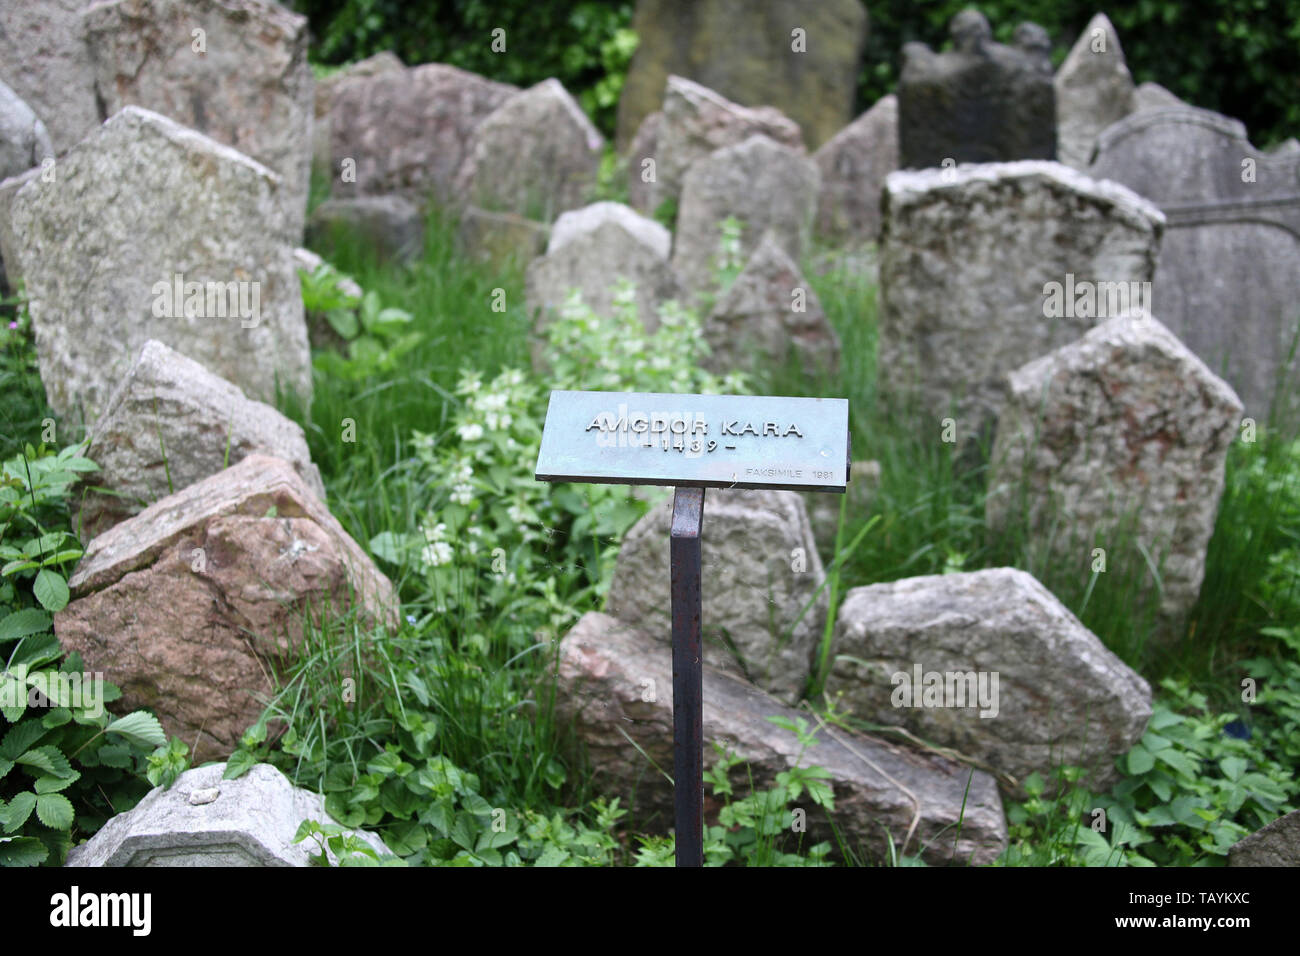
{"points": [[437, 553], [492, 402], [470, 432], [463, 494], [502, 421], [475, 530], [439, 532], [516, 514]]}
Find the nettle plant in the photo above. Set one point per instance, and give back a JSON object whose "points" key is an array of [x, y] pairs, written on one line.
{"points": [[66, 765], [375, 337]]}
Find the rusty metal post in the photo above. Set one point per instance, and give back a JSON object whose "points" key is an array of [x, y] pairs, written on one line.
{"points": [[688, 676]]}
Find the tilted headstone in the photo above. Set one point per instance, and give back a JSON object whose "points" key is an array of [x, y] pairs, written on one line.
{"points": [[384, 61], [407, 131], [1277, 844], [1093, 90], [536, 155], [242, 79], [990, 664], [188, 604], [615, 685], [1228, 279], [799, 57], [764, 185], [695, 122], [969, 261], [853, 168], [643, 164], [154, 231], [205, 820], [44, 59], [769, 315], [981, 102], [1116, 441], [171, 423]]}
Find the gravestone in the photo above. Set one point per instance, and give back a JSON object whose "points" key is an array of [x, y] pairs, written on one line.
{"points": [[967, 259], [1093, 90], [1116, 441], [187, 605], [801, 58], [44, 59], [24, 141], [154, 231], [1227, 282], [406, 131], [990, 664], [203, 819], [384, 61], [536, 155], [390, 226], [642, 164], [695, 122], [853, 166], [980, 102], [764, 185], [1277, 844], [245, 81]]}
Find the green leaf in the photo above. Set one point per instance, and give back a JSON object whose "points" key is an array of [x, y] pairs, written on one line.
{"points": [[1233, 767], [240, 762], [18, 810], [55, 784], [51, 590], [48, 759], [21, 623], [464, 832], [55, 811], [22, 851], [1139, 760], [344, 322], [20, 739], [141, 728]]}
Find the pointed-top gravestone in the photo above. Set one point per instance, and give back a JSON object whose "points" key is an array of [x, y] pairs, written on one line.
{"points": [[43, 58], [148, 231], [1093, 90], [853, 168]]}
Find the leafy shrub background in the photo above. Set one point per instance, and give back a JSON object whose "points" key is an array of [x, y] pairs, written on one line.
{"points": [[1234, 56]]}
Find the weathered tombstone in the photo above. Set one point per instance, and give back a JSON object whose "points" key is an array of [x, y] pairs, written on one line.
{"points": [[990, 664], [186, 605], [801, 58], [643, 164], [981, 102], [1227, 282], [391, 226], [1277, 844], [43, 57], [769, 315], [24, 141], [235, 70], [1116, 441], [1093, 90], [724, 441], [697, 121], [171, 423], [384, 61], [614, 685], [406, 131], [202, 819], [188, 247], [967, 259], [536, 155], [764, 185], [500, 237], [853, 168]]}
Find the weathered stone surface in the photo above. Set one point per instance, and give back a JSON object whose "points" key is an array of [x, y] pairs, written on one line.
{"points": [[43, 58], [1153, 96], [1228, 277], [135, 205], [1123, 425], [1060, 698], [606, 673], [761, 568], [578, 222], [1093, 90], [853, 168], [695, 122], [24, 141], [407, 132], [594, 256], [500, 237], [8, 246], [203, 820], [748, 52], [186, 604], [824, 509], [171, 422], [641, 159], [390, 225], [251, 88], [536, 155], [966, 258], [1277, 844], [765, 185], [382, 62], [980, 102], [769, 313]]}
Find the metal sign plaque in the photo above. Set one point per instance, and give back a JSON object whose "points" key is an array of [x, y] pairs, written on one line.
{"points": [[706, 441]]}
